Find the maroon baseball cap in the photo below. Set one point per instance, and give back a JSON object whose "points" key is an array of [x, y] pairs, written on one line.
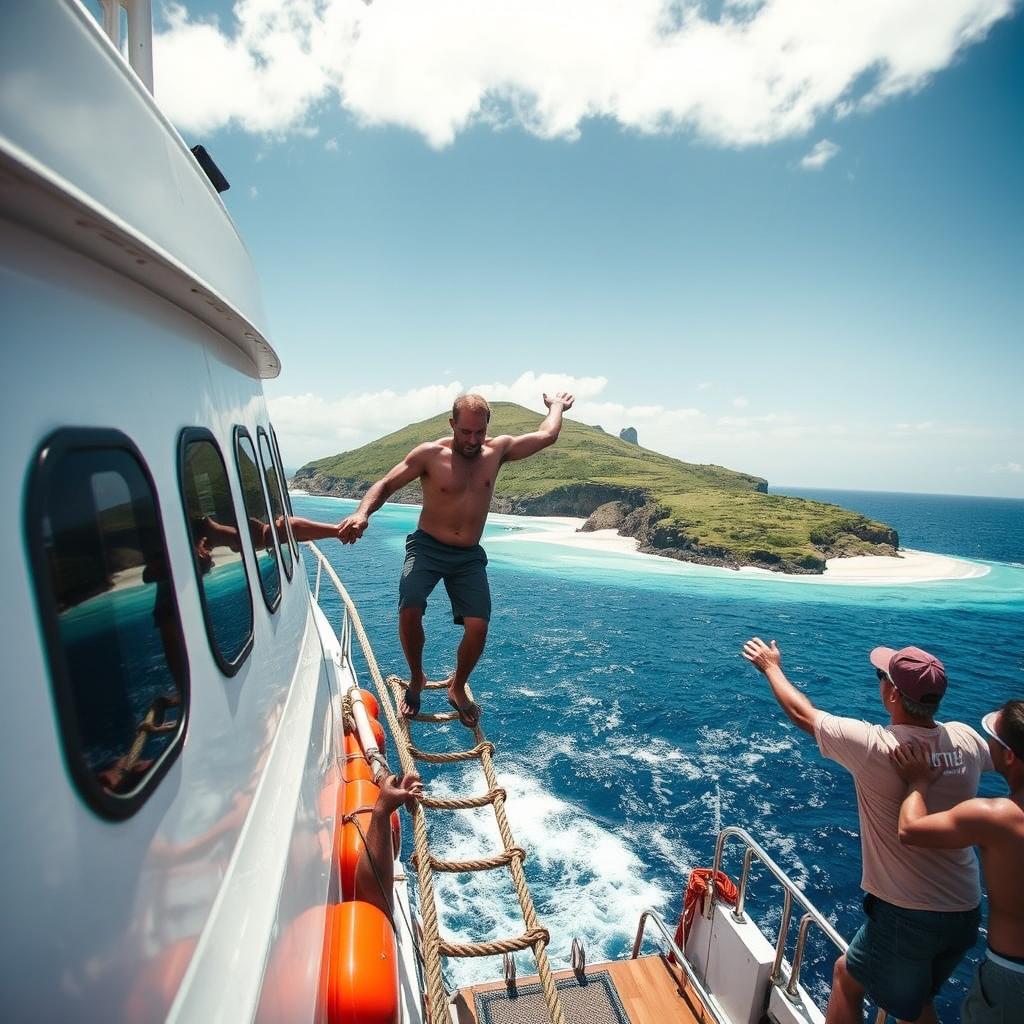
{"points": [[915, 673]]}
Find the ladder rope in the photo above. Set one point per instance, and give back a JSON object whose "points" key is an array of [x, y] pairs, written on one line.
{"points": [[535, 937]]}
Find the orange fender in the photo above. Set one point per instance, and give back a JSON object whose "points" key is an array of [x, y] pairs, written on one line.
{"points": [[362, 966], [370, 703], [378, 733], [350, 840]]}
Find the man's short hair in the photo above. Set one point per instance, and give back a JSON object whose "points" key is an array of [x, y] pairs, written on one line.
{"points": [[1011, 726], [918, 708], [470, 403]]}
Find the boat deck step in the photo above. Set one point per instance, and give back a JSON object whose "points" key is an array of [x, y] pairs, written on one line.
{"points": [[647, 990]]}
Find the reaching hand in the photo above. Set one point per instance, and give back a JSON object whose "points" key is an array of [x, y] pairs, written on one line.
{"points": [[395, 791], [760, 655], [351, 528], [563, 398], [913, 763]]}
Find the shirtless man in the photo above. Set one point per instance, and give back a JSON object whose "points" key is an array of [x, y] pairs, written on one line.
{"points": [[996, 827], [457, 475]]}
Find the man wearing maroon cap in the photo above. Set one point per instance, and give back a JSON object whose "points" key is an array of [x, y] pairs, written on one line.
{"points": [[921, 905]]}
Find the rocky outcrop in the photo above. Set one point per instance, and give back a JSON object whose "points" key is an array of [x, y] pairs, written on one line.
{"points": [[628, 434], [857, 537], [648, 523]]}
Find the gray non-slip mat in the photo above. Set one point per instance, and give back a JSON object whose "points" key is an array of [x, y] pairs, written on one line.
{"points": [[595, 1002]]}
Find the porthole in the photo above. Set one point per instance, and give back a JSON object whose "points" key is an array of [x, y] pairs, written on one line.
{"points": [[216, 549], [277, 507], [261, 530], [109, 615]]}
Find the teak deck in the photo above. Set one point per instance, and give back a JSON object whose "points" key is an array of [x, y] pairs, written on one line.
{"points": [[649, 987]]}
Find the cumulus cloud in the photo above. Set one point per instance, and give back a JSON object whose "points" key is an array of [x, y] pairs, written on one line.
{"points": [[819, 156], [755, 71], [740, 402], [312, 427]]}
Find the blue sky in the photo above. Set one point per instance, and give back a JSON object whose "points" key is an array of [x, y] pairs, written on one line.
{"points": [[784, 236]]}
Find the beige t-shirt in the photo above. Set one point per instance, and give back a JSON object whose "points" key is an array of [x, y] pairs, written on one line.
{"points": [[908, 876]]}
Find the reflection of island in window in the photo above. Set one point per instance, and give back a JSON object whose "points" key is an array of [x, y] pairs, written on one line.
{"points": [[119, 632], [217, 549]]}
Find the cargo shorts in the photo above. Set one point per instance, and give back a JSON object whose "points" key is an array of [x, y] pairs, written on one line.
{"points": [[464, 571], [903, 957]]}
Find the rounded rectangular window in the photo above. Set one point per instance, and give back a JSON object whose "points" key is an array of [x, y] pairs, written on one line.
{"points": [[261, 530], [284, 489], [216, 549], [109, 615], [284, 529]]}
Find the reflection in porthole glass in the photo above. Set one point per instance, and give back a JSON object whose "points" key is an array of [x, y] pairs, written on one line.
{"points": [[217, 550], [258, 518], [276, 502], [116, 645]]}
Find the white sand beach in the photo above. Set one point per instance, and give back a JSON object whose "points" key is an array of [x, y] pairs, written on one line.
{"points": [[909, 567]]}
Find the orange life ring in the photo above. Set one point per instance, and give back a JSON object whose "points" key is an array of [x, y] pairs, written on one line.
{"points": [[362, 966]]}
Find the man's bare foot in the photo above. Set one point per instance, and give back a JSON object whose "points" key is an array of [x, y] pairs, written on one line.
{"points": [[468, 710], [411, 704]]}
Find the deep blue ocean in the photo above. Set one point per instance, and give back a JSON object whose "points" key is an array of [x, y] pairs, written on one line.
{"points": [[629, 729]]}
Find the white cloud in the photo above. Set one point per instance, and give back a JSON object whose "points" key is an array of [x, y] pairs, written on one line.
{"points": [[740, 402], [758, 72], [704, 385], [785, 446], [254, 192], [819, 156], [331, 145]]}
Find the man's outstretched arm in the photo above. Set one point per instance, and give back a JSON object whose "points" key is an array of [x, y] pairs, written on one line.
{"points": [[375, 869], [768, 660], [352, 527], [307, 529], [525, 445], [967, 824]]}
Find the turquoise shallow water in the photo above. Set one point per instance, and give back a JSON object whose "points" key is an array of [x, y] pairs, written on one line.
{"points": [[629, 729]]}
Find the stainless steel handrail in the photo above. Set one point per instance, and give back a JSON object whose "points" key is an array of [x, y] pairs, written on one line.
{"points": [[790, 893], [345, 633], [707, 1000]]}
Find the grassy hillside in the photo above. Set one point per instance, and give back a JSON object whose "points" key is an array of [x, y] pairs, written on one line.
{"points": [[701, 513], [582, 455]]}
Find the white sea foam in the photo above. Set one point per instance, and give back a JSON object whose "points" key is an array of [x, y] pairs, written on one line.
{"points": [[586, 880]]}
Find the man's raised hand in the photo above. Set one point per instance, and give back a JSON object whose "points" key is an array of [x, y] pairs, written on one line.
{"points": [[760, 655], [396, 791], [563, 398]]}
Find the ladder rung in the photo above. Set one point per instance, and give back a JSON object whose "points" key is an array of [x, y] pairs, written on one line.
{"points": [[495, 948], [462, 803], [482, 864]]}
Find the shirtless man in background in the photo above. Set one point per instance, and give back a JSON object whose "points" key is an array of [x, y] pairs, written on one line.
{"points": [[996, 827], [458, 475]]}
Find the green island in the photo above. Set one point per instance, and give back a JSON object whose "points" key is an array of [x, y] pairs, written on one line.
{"points": [[695, 513]]}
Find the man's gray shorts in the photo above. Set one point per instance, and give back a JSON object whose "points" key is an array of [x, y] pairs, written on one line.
{"points": [[464, 571], [997, 995]]}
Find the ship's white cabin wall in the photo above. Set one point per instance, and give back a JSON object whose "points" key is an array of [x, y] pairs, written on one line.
{"points": [[96, 913]]}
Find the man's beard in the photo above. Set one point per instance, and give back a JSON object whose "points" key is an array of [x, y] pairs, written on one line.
{"points": [[470, 451]]}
